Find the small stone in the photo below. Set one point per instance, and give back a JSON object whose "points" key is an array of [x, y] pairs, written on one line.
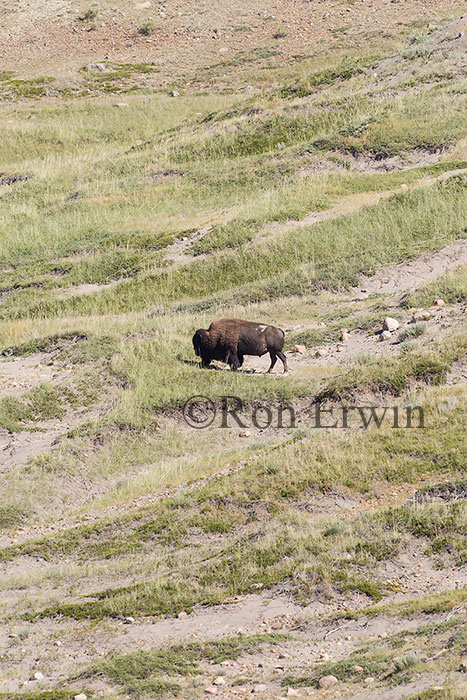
{"points": [[58, 643], [345, 335], [321, 352], [12, 635], [420, 316], [369, 679], [277, 625], [300, 349], [439, 302], [385, 335], [219, 680], [327, 682], [390, 324], [121, 104], [357, 669], [80, 696], [244, 433], [404, 186], [37, 676], [259, 688], [128, 620], [292, 693], [174, 93], [382, 635], [211, 690], [143, 5], [182, 615], [463, 666], [324, 656]]}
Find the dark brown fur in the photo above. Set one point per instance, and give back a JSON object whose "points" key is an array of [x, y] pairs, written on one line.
{"points": [[230, 339]]}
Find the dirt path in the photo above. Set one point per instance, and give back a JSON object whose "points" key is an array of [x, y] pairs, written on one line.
{"points": [[398, 279]]}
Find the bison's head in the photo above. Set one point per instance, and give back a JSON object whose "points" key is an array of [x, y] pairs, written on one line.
{"points": [[200, 341]]}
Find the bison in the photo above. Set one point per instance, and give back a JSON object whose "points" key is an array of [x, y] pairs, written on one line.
{"points": [[230, 339]]}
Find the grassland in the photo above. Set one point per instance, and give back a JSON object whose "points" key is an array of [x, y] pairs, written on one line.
{"points": [[125, 228]]}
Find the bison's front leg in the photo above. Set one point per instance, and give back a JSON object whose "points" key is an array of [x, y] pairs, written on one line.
{"points": [[205, 361], [234, 361]]}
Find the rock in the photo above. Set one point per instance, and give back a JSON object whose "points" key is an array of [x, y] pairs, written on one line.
{"points": [[404, 186], [390, 324], [439, 302], [128, 620], [219, 680], [420, 316], [58, 643], [327, 682], [182, 615], [463, 666], [357, 669], [121, 104], [321, 352], [369, 679], [101, 67], [259, 688], [345, 335], [211, 690], [143, 5], [12, 635], [385, 335], [80, 696], [382, 635], [300, 349], [174, 93], [38, 676], [292, 693], [244, 433]]}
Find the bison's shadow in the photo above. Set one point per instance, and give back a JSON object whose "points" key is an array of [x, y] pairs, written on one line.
{"points": [[196, 363]]}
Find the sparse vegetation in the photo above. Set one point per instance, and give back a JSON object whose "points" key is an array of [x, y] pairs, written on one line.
{"points": [[90, 14], [412, 331], [147, 28]]}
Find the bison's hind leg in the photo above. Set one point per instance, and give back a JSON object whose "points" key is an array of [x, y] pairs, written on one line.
{"points": [[273, 356], [282, 357]]}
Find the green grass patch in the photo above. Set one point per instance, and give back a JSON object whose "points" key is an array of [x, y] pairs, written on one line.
{"points": [[146, 672], [451, 287]]}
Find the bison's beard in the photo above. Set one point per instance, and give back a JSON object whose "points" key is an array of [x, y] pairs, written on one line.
{"points": [[199, 341]]}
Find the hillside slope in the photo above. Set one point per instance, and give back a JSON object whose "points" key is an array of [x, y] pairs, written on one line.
{"points": [[300, 164]]}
